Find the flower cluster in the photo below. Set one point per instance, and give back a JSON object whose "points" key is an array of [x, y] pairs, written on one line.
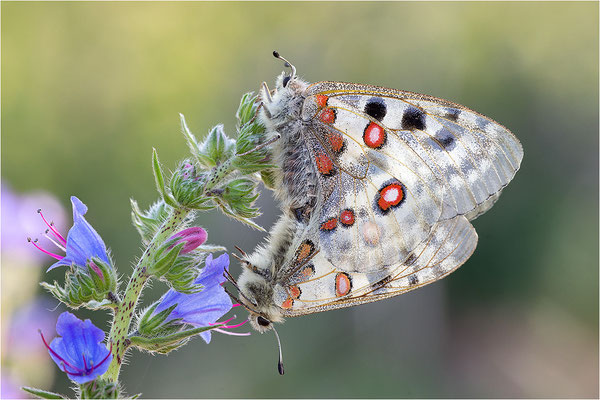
{"points": [[219, 174], [79, 350]]}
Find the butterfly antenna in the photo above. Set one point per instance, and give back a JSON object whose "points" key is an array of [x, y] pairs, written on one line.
{"points": [[240, 259], [242, 252], [287, 63], [237, 299], [280, 362]]}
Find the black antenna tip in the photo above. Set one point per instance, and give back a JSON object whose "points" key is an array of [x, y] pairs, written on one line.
{"points": [[275, 54], [280, 368]]}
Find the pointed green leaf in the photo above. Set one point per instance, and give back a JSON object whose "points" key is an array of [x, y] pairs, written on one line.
{"points": [[42, 394], [189, 137], [164, 264], [160, 180], [156, 343]]}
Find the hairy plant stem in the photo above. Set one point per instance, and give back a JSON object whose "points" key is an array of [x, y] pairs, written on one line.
{"points": [[218, 174], [123, 313]]}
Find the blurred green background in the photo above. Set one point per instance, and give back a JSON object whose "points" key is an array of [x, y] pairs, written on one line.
{"points": [[89, 88]]}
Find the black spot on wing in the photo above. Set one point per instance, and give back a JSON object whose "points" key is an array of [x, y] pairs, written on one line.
{"points": [[410, 260], [452, 114], [413, 280], [446, 139], [412, 119], [376, 108], [381, 282]]}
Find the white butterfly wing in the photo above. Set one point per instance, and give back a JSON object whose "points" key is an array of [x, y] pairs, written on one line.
{"points": [[327, 287], [440, 158]]}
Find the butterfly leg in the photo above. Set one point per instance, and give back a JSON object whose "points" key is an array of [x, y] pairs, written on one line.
{"points": [[256, 113], [265, 93], [231, 280], [260, 146]]}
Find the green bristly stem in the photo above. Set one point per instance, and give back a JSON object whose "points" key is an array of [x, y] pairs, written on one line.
{"points": [[218, 173], [124, 312]]}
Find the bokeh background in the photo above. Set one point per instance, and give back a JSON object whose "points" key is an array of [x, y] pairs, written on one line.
{"points": [[89, 88]]}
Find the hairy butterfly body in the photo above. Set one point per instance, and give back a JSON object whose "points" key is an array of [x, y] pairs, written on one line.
{"points": [[377, 187]]}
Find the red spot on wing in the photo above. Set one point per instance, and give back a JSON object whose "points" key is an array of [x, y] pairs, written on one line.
{"points": [[390, 195], [374, 135], [327, 115], [336, 140], [347, 217], [321, 100], [288, 303], [329, 225], [343, 285], [294, 292], [308, 271], [324, 163], [305, 249]]}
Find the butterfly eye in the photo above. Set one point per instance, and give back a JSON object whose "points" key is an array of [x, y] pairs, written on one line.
{"points": [[263, 321], [286, 80]]}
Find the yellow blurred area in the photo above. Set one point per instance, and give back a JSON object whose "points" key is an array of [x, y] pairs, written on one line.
{"points": [[89, 88]]}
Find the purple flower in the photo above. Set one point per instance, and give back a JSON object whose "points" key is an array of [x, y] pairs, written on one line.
{"points": [[82, 242], [203, 308], [193, 237], [79, 351]]}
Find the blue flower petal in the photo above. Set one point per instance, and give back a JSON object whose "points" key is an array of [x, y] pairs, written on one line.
{"points": [[83, 242], [206, 307], [212, 274], [79, 349]]}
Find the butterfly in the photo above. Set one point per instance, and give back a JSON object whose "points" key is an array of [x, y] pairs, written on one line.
{"points": [[377, 189]]}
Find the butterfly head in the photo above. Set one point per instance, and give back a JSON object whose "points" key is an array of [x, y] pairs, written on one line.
{"points": [[284, 103], [255, 287], [259, 323]]}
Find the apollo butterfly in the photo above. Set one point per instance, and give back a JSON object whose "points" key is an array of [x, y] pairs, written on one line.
{"points": [[377, 187]]}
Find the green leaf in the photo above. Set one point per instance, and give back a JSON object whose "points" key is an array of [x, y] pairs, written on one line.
{"points": [[148, 222], [184, 272], [268, 178], [247, 109], [99, 389], [216, 147], [42, 394], [160, 180], [164, 264], [189, 137], [210, 248], [150, 325], [169, 342]]}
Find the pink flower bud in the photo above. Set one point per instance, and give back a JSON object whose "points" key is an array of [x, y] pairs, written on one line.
{"points": [[193, 237]]}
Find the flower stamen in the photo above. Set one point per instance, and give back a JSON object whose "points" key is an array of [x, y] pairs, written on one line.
{"points": [[51, 226], [235, 326], [231, 333], [33, 242], [60, 246], [76, 371], [55, 354]]}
